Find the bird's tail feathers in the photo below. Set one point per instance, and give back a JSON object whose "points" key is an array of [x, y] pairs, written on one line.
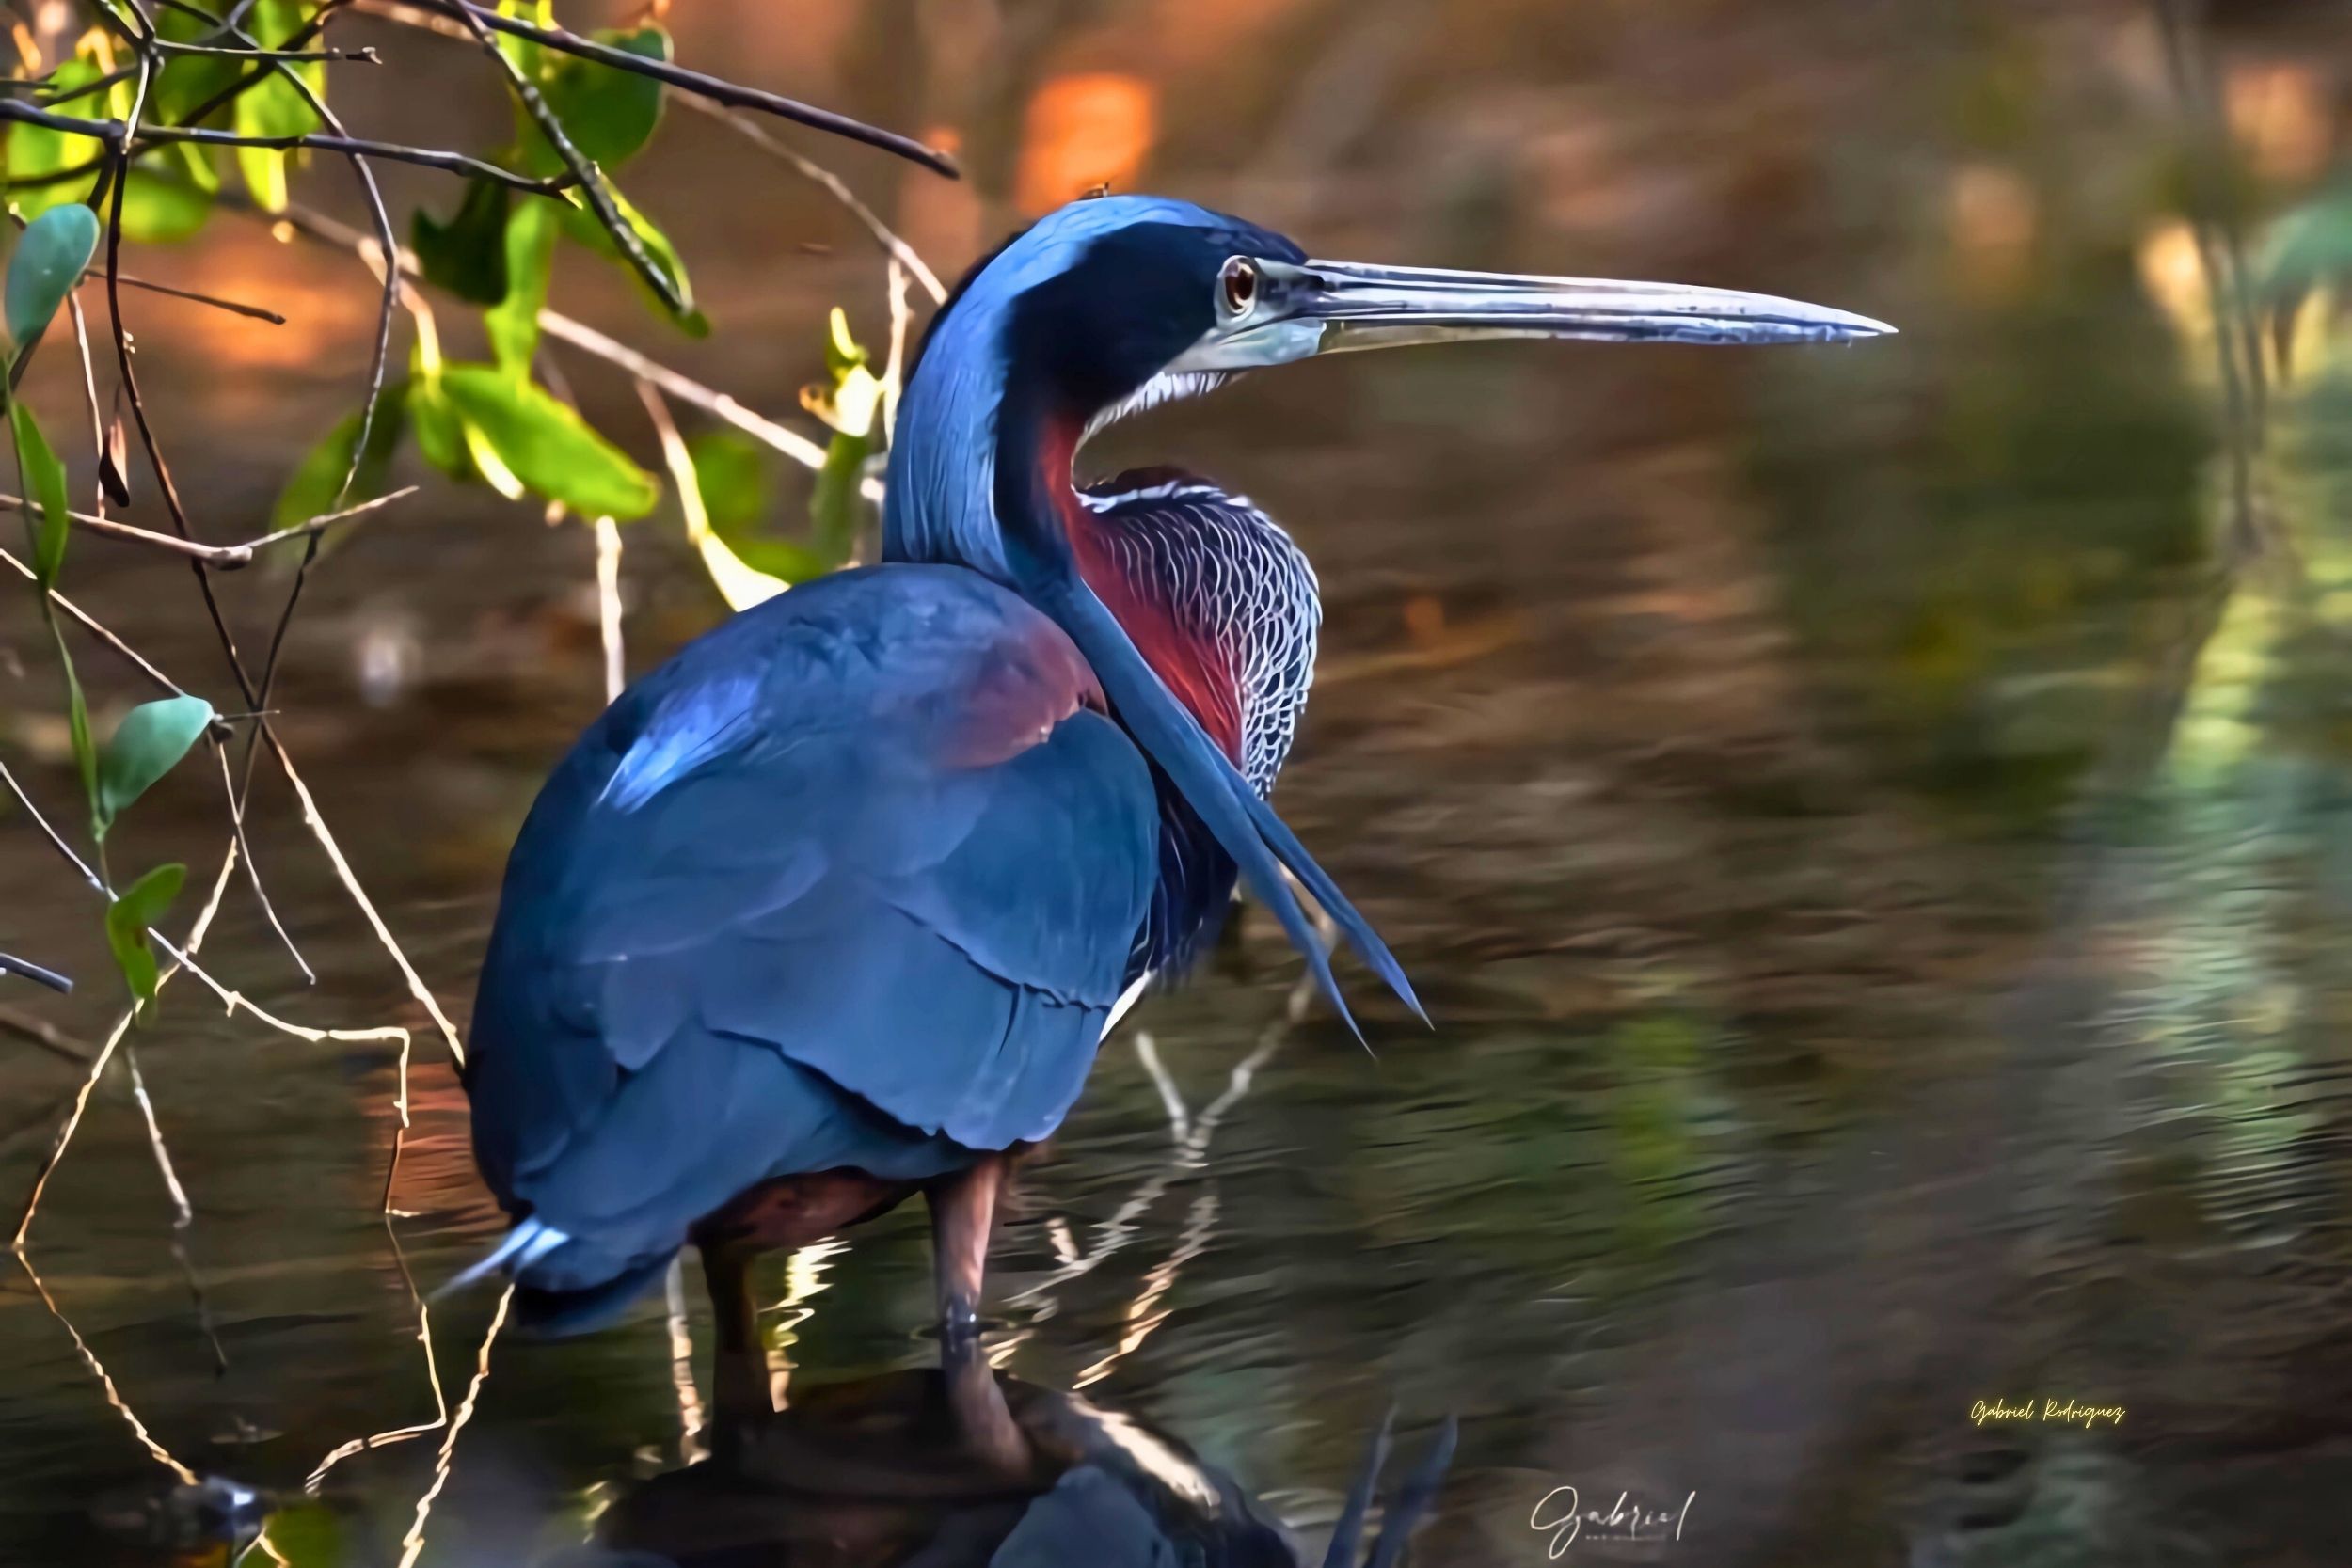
{"points": [[523, 1246]]}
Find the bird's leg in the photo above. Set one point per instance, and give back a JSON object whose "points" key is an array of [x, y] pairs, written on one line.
{"points": [[984, 1421], [740, 1402], [963, 1213]]}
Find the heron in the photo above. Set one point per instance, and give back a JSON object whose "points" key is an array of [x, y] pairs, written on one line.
{"points": [[837, 905]]}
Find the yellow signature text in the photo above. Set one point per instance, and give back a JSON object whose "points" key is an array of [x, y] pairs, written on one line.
{"points": [[2062, 1412]]}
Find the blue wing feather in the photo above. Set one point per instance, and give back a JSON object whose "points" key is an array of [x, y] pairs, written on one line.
{"points": [[762, 920]]}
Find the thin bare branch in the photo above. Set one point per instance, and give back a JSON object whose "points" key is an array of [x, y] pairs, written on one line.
{"points": [[28, 970], [687, 391], [181, 1210], [227, 557], [317, 824], [833, 184], [253, 868], [731, 94], [114, 133], [317, 1476], [609, 607], [89, 624], [412, 1544], [325, 520], [252, 313], [363, 172], [47, 1036], [310, 815], [114, 1396], [365, 56], [120, 175], [90, 390]]}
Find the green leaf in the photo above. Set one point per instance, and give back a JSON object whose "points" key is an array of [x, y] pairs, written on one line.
{"points": [[149, 743], [547, 445], [440, 433], [316, 485], [583, 226], [2310, 244], [186, 80], [513, 323], [44, 481], [307, 1534], [467, 255], [527, 55], [36, 149], [274, 106], [77, 731], [835, 508], [141, 905], [160, 207], [609, 114], [49, 257], [736, 477]]}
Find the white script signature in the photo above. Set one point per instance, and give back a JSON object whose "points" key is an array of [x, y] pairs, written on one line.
{"points": [[1562, 1515]]}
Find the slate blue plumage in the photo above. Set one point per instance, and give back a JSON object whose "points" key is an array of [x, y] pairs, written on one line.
{"points": [[755, 925]]}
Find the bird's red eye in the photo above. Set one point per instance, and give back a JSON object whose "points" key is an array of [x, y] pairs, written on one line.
{"points": [[1238, 284]]}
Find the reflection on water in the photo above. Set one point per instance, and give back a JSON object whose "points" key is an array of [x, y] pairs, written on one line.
{"points": [[903, 1470], [1870, 828]]}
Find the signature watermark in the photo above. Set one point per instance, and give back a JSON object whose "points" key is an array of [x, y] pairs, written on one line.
{"points": [[2067, 1412], [1561, 1516]]}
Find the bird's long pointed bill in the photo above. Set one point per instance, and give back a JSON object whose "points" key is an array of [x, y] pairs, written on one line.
{"points": [[1360, 306]]}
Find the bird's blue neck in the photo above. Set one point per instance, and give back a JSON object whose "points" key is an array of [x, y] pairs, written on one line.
{"points": [[980, 478], [941, 505]]}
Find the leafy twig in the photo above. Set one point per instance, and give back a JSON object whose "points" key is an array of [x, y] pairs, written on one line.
{"points": [[114, 1039], [184, 958], [718, 404], [584, 172], [310, 815]]}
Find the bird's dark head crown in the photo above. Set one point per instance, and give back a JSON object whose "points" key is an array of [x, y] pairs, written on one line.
{"points": [[1088, 305]]}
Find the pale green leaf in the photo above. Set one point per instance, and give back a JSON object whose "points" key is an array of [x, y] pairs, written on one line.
{"points": [[546, 446], [149, 743], [44, 482], [137, 908], [513, 323], [48, 260]]}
